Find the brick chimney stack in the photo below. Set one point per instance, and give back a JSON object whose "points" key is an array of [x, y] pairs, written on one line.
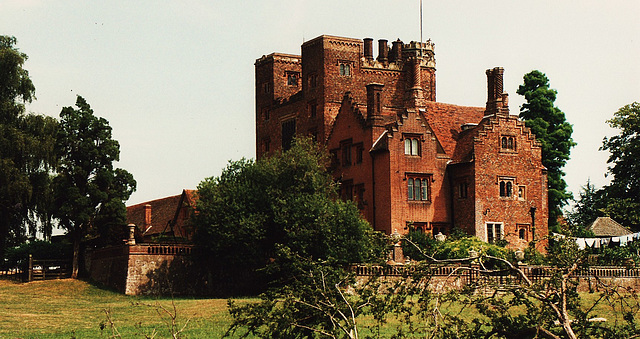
{"points": [[383, 51], [497, 100], [374, 101], [368, 49], [147, 216], [396, 51]]}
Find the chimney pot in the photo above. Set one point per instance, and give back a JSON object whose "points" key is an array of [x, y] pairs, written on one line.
{"points": [[368, 49], [383, 51], [147, 216], [396, 51]]}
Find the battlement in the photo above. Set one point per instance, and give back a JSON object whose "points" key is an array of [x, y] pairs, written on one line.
{"points": [[280, 58]]}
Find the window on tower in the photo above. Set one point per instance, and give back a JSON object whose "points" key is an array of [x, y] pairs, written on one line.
{"points": [[292, 78], [344, 68], [506, 187]]}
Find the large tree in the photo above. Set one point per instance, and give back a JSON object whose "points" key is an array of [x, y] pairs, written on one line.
{"points": [[589, 206], [26, 152], [622, 195], [89, 192], [552, 130], [257, 210]]}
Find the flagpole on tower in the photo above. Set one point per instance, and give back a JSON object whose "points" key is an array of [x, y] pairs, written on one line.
{"points": [[421, 28], [421, 21]]}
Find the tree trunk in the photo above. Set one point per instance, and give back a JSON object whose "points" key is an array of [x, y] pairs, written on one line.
{"points": [[4, 232], [77, 237]]}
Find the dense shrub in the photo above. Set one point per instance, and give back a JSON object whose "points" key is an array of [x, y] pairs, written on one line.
{"points": [[39, 249]]}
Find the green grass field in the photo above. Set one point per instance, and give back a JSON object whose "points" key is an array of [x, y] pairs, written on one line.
{"points": [[76, 309]]}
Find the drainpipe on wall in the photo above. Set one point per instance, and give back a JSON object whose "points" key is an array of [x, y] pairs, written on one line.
{"points": [[452, 199], [373, 189], [533, 225]]}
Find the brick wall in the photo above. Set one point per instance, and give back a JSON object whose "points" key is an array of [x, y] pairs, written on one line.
{"points": [[159, 269]]}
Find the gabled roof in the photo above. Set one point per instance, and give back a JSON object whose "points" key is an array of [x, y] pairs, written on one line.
{"points": [[607, 227], [446, 121], [163, 212]]}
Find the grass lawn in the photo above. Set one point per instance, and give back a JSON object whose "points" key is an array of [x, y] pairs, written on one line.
{"points": [[71, 308], [76, 309]]}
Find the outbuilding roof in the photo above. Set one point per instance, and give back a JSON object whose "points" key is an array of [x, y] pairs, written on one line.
{"points": [[607, 227]]}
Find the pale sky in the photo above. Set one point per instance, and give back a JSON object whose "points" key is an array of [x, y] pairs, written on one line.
{"points": [[175, 79]]}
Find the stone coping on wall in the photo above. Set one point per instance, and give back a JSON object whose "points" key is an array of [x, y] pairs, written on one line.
{"points": [[161, 249]]}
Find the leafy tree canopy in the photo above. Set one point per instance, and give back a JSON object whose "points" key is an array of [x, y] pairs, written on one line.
{"points": [[623, 193], [288, 202], [553, 132], [89, 192], [26, 152], [589, 206]]}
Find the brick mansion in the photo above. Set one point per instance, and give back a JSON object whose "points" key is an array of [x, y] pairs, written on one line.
{"points": [[405, 159]]}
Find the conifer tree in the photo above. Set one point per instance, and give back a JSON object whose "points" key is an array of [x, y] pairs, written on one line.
{"points": [[552, 130], [89, 192]]}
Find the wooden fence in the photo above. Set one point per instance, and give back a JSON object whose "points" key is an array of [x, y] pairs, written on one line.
{"points": [[37, 269], [532, 272]]}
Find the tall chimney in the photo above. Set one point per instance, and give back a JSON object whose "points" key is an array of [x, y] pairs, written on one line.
{"points": [[147, 216], [383, 51], [494, 83], [396, 51], [368, 49], [497, 101], [374, 100]]}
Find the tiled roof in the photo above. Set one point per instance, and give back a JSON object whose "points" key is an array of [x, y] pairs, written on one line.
{"points": [[607, 227], [163, 212], [446, 120], [463, 151], [191, 196]]}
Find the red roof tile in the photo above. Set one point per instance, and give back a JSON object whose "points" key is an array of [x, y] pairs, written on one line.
{"points": [[163, 212], [446, 120]]}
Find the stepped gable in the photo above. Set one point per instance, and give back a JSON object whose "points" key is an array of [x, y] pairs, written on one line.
{"points": [[446, 121]]}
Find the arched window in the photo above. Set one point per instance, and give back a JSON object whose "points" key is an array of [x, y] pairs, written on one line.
{"points": [[345, 69], [418, 188], [506, 187], [508, 143], [412, 146], [424, 190]]}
